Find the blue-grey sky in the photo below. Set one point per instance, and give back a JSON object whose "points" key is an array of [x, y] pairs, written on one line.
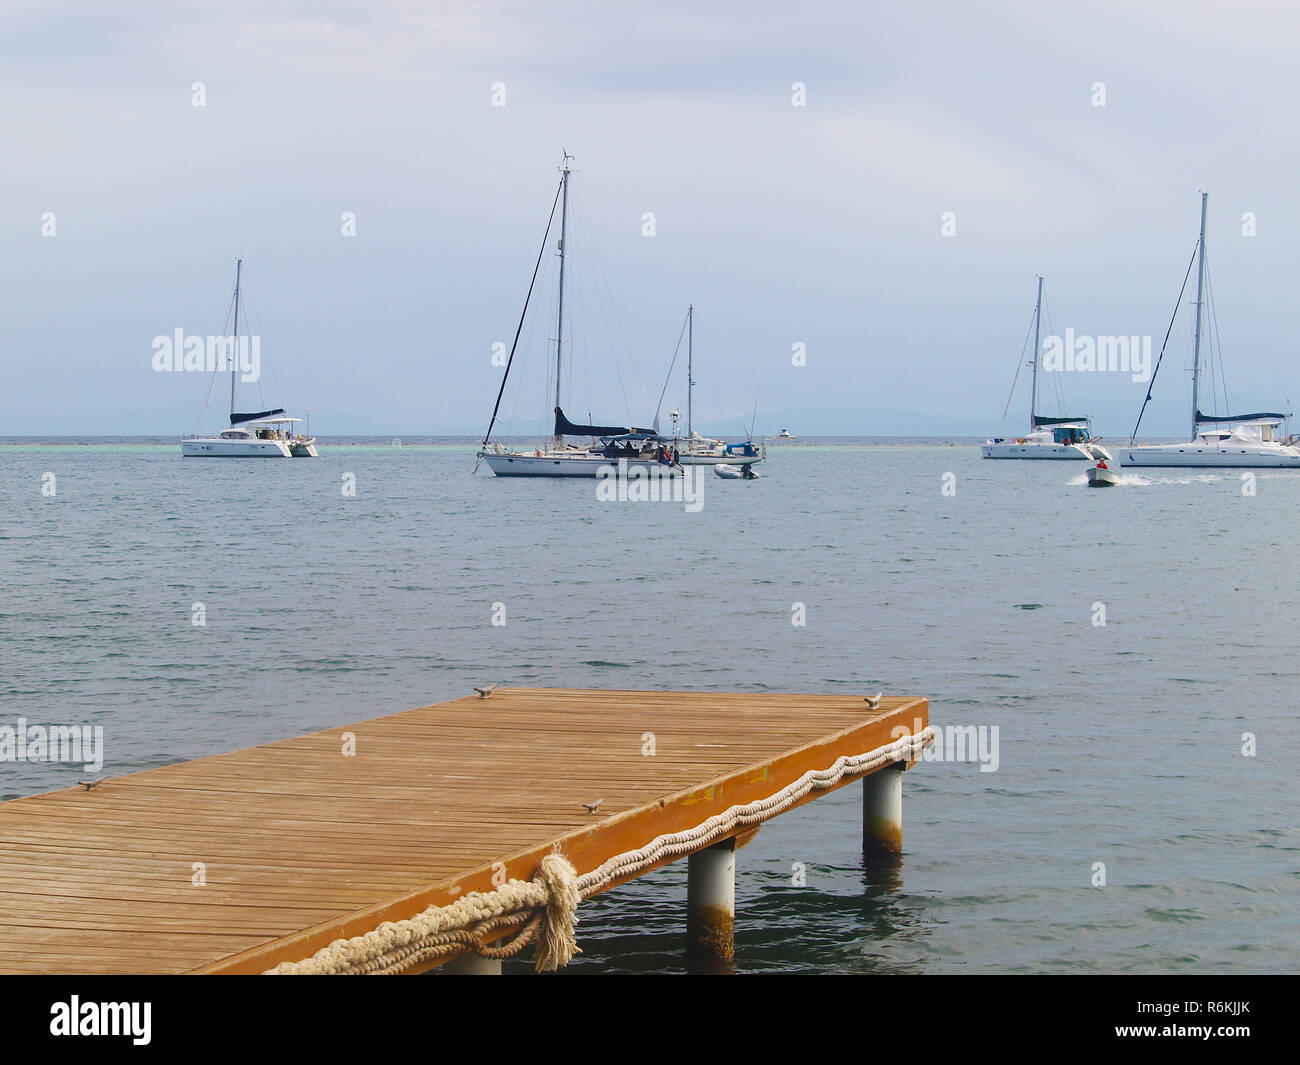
{"points": [[818, 225]]}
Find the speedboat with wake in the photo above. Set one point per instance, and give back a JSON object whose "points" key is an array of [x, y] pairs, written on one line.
{"points": [[1102, 476]]}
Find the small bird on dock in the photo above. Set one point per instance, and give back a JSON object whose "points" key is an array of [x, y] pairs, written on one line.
{"points": [[484, 692], [873, 701], [591, 806], [88, 784]]}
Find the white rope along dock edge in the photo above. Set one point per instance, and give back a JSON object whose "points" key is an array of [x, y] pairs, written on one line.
{"points": [[546, 906]]}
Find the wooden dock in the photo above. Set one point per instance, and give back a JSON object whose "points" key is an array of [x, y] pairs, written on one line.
{"points": [[243, 861]]}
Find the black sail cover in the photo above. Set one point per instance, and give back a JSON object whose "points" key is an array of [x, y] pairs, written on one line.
{"points": [[255, 416], [1259, 416], [564, 427]]}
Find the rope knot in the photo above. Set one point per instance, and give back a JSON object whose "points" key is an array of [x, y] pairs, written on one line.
{"points": [[557, 943]]}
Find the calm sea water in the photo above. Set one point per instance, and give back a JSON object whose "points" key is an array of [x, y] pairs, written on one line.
{"points": [[1119, 744]]}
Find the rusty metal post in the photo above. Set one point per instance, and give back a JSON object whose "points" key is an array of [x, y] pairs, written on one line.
{"points": [[711, 904], [882, 812]]}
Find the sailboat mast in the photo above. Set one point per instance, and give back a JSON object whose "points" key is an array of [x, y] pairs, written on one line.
{"points": [[690, 366], [1033, 392], [234, 362], [559, 326], [1200, 287]]}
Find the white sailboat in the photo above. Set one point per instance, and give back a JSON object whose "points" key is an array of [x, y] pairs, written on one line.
{"points": [[1234, 440], [258, 434], [1048, 438], [622, 448], [700, 450]]}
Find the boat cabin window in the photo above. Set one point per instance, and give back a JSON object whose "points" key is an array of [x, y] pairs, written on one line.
{"points": [[1070, 435]]}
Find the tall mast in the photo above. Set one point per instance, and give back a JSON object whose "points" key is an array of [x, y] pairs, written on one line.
{"points": [[690, 370], [235, 347], [1200, 283], [1033, 392], [559, 327]]}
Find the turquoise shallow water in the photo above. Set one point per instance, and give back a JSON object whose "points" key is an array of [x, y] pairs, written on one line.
{"points": [[1118, 743]]}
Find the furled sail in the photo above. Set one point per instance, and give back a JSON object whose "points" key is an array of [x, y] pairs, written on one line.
{"points": [[564, 427], [238, 419], [1261, 416], [1040, 421]]}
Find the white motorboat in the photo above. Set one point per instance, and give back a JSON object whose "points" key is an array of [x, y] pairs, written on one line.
{"points": [[1102, 476], [1244, 441], [1048, 438], [785, 434], [255, 434]]}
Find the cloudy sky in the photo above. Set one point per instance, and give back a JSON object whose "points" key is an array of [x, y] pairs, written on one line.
{"points": [[819, 225]]}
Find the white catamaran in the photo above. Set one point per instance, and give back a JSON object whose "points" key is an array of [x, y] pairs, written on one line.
{"points": [[259, 434], [622, 448], [1048, 438], [1241, 440]]}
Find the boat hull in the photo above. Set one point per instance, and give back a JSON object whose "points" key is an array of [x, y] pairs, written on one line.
{"points": [[705, 459], [1202, 456], [233, 449], [523, 465], [1009, 449], [303, 449], [1098, 478]]}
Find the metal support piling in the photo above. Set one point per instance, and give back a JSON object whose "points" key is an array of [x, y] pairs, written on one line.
{"points": [[711, 904], [882, 813]]}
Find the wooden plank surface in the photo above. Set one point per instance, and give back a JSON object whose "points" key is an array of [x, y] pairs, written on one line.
{"points": [[302, 844]]}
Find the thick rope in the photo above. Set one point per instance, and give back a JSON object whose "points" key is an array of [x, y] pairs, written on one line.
{"points": [[544, 909]]}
